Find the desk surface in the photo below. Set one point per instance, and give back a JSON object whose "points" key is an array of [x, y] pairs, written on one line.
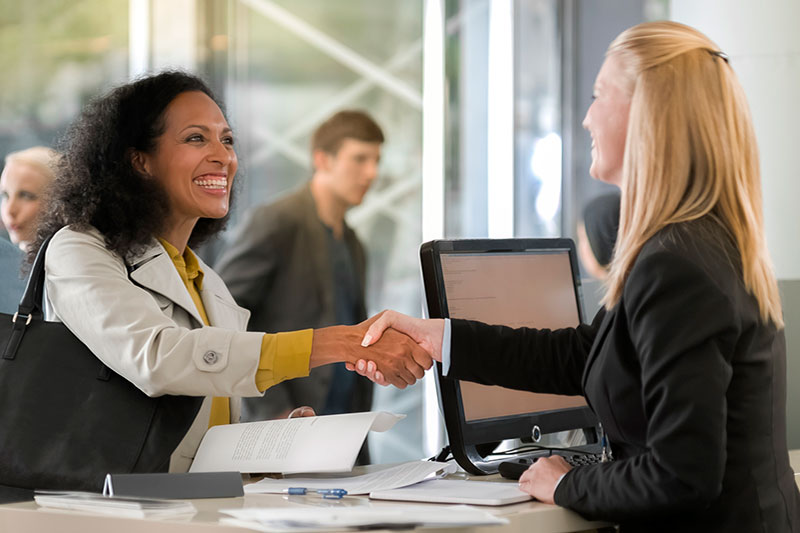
{"points": [[524, 517]]}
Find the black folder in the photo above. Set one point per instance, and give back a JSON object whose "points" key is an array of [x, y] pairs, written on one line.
{"points": [[175, 486]]}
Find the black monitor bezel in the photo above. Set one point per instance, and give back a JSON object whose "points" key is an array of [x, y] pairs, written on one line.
{"points": [[464, 435]]}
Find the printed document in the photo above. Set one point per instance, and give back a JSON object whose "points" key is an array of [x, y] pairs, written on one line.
{"points": [[293, 445]]}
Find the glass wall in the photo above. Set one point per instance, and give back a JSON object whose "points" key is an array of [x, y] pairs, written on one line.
{"points": [[293, 64], [54, 56], [537, 119], [283, 66], [536, 88]]}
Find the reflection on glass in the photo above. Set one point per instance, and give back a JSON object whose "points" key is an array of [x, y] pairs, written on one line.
{"points": [[292, 65], [538, 119], [54, 57]]}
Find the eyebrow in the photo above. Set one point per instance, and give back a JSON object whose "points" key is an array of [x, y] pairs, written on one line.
{"points": [[227, 129]]}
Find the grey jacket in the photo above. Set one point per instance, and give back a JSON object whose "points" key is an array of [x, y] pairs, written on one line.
{"points": [[12, 284]]}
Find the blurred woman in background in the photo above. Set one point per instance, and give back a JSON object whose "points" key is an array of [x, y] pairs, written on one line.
{"points": [[26, 176]]}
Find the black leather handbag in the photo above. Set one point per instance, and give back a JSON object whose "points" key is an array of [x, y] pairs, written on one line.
{"points": [[66, 420]]}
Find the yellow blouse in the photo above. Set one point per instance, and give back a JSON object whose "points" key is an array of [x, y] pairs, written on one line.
{"points": [[283, 355]]}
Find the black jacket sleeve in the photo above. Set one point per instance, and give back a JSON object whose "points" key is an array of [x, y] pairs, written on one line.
{"points": [[548, 361]]}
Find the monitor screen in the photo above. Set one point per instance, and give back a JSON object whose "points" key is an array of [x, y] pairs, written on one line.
{"points": [[516, 283], [532, 288]]}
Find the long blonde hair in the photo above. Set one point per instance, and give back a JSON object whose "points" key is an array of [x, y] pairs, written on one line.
{"points": [[690, 152]]}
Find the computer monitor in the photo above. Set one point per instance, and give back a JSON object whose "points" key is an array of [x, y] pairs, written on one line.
{"points": [[512, 282]]}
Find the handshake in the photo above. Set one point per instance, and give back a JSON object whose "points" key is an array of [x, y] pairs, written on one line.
{"points": [[389, 348]]}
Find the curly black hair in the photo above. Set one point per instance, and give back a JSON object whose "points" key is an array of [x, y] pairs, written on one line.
{"points": [[96, 182]]}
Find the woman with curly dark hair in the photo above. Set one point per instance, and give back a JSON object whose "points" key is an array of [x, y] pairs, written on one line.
{"points": [[147, 171]]}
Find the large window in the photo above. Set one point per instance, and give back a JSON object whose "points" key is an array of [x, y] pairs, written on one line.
{"points": [[291, 65], [54, 56], [532, 84], [517, 79]]}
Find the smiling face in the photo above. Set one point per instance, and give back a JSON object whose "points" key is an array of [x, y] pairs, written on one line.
{"points": [[193, 159], [349, 172], [21, 188], [607, 121]]}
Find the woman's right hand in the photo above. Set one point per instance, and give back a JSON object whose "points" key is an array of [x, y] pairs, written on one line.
{"points": [[427, 333], [302, 412]]}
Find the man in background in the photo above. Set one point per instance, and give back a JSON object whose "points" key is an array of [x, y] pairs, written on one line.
{"points": [[296, 264]]}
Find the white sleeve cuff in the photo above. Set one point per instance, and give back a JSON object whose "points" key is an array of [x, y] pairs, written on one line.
{"points": [[446, 347]]}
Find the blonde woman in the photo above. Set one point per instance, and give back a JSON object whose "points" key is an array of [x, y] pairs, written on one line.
{"points": [[685, 366], [26, 175]]}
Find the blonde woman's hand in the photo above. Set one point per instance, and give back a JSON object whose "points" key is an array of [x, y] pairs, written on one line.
{"points": [[541, 478]]}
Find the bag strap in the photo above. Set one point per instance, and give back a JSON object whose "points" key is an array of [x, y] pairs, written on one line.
{"points": [[31, 302]]}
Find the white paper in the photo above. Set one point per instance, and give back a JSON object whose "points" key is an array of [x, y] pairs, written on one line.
{"points": [[293, 445], [297, 519], [389, 478], [457, 491]]}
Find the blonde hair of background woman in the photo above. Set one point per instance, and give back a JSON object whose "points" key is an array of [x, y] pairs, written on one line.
{"points": [[690, 151], [41, 157]]}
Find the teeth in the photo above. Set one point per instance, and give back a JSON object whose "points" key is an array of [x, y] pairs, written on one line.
{"points": [[212, 183]]}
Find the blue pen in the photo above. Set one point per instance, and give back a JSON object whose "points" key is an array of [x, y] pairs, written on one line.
{"points": [[330, 494]]}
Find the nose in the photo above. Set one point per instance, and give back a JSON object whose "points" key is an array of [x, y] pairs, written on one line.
{"points": [[221, 153], [372, 171], [586, 122], [10, 207]]}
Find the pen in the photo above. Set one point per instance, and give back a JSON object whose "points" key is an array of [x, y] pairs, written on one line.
{"points": [[330, 494]]}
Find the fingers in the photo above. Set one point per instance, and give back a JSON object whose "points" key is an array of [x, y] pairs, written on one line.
{"points": [[379, 324], [369, 370], [398, 357], [541, 478], [302, 412]]}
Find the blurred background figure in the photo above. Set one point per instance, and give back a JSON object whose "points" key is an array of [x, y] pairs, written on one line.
{"points": [[25, 178], [295, 263], [11, 282], [597, 235], [24, 181]]}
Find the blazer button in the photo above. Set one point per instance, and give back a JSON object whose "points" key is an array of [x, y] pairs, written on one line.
{"points": [[210, 357]]}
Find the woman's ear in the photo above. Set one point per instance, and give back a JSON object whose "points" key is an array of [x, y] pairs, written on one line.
{"points": [[140, 162]]}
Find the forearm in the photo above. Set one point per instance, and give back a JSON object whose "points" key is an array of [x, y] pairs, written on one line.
{"points": [[525, 359], [627, 490]]}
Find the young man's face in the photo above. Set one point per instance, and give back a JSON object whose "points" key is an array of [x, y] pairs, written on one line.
{"points": [[350, 171]]}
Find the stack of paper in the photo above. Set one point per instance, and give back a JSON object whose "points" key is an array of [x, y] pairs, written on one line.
{"points": [[368, 517], [115, 505], [386, 479], [456, 491]]}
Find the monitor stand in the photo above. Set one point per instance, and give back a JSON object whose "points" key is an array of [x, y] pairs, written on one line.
{"points": [[478, 459]]}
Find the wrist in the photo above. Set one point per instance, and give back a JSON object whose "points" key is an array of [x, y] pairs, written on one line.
{"points": [[333, 345]]}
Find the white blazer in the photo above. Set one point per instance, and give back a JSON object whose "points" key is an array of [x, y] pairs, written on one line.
{"points": [[147, 329]]}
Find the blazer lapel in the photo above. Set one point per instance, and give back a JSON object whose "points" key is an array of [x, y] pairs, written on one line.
{"points": [[598, 341], [221, 310], [155, 271]]}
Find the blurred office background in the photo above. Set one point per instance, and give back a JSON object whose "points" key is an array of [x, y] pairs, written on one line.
{"points": [[481, 102]]}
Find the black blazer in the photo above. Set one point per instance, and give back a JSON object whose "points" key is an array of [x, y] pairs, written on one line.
{"points": [[689, 384]]}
